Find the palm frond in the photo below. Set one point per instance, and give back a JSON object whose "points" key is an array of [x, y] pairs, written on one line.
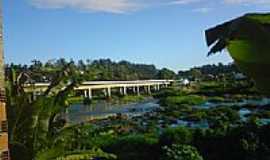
{"points": [[250, 27]]}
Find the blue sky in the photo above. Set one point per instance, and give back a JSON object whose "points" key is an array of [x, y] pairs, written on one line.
{"points": [[167, 33]]}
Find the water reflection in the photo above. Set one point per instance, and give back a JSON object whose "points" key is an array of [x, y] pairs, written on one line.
{"points": [[78, 113]]}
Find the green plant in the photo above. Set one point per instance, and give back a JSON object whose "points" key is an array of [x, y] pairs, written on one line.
{"points": [[181, 152]]}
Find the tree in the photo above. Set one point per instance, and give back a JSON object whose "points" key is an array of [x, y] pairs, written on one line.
{"points": [[195, 73], [36, 128], [166, 74]]}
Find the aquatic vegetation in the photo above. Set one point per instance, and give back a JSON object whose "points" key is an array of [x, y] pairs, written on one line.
{"points": [[179, 100]]}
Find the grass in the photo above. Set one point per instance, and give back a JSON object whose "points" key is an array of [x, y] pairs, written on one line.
{"points": [[75, 100], [180, 100], [113, 100]]}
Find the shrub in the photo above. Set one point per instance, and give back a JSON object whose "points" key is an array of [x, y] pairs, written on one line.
{"points": [[179, 100], [179, 135], [181, 152], [135, 147]]}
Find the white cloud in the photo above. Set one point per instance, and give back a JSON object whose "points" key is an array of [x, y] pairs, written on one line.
{"points": [[184, 1], [112, 6], [259, 2], [202, 10]]}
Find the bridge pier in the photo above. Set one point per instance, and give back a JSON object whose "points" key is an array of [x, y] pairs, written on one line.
{"points": [[105, 92], [121, 90], [125, 91], [34, 95], [109, 92], [134, 89], [85, 94], [138, 90], [90, 93], [149, 89]]}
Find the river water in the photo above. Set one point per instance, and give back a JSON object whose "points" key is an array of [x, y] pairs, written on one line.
{"points": [[78, 113]]}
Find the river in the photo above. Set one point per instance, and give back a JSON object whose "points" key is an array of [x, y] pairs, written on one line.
{"points": [[78, 113]]}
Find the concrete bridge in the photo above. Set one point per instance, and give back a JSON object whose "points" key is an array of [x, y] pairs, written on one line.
{"points": [[87, 88]]}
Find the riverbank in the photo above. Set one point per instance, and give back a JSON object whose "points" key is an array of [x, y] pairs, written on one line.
{"points": [[113, 100]]}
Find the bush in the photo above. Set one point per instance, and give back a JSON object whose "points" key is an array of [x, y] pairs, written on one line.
{"points": [[179, 135], [181, 152], [180, 100], [135, 147]]}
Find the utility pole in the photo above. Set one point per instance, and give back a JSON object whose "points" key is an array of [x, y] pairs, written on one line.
{"points": [[4, 152]]}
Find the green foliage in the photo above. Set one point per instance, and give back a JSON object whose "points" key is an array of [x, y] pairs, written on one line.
{"points": [[179, 135], [87, 101], [166, 74], [179, 100], [36, 128], [59, 154], [181, 152], [134, 147], [216, 99], [102, 69], [251, 27], [222, 118], [75, 100]]}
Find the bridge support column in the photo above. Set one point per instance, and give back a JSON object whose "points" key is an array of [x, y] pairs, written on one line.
{"points": [[90, 96], [134, 89], [109, 92], [105, 92], [85, 94], [138, 90], [158, 87], [121, 90], [125, 91], [34, 95], [149, 89]]}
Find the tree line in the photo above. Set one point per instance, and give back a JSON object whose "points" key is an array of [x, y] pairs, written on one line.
{"points": [[106, 69]]}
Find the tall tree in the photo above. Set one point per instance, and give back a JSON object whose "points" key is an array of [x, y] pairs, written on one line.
{"points": [[3, 115]]}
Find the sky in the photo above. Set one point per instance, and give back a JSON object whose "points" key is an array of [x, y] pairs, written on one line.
{"points": [[167, 33]]}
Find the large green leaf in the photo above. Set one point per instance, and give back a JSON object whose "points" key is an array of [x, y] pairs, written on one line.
{"points": [[247, 39]]}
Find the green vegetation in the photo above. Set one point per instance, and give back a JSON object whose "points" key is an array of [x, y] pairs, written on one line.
{"points": [[127, 99], [179, 100], [181, 152], [247, 40], [184, 128], [36, 128]]}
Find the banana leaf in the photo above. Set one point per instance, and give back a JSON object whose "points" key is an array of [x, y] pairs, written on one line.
{"points": [[247, 39]]}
